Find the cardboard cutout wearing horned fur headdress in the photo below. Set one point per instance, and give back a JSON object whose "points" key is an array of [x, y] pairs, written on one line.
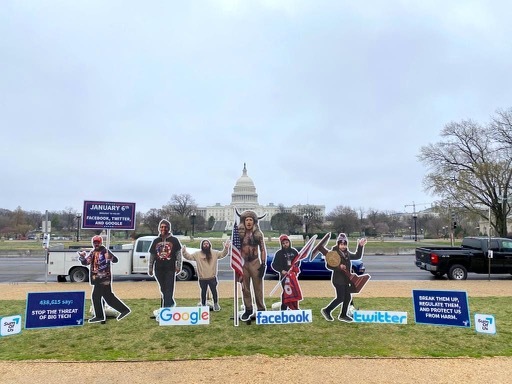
{"points": [[254, 255]]}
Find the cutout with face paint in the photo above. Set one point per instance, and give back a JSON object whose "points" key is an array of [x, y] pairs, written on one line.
{"points": [[254, 255]]}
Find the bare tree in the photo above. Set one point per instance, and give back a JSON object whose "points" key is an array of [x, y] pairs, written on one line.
{"points": [[180, 224], [152, 218], [501, 128], [69, 219], [286, 222], [5, 219], [181, 205], [33, 219], [18, 217], [311, 217], [380, 222], [344, 219], [469, 168], [178, 210], [282, 208], [19, 222]]}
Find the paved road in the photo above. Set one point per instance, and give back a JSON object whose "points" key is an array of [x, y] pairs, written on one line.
{"points": [[400, 267]]}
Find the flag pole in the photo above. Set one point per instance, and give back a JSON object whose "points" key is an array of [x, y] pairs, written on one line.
{"points": [[235, 301], [235, 293], [237, 263], [277, 285]]}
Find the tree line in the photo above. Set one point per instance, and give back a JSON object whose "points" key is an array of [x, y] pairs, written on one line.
{"points": [[435, 223], [469, 171]]}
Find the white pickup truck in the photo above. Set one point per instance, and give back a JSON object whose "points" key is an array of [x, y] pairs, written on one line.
{"points": [[132, 260]]}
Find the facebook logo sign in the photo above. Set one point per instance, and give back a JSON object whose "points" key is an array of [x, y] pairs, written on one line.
{"points": [[284, 317]]}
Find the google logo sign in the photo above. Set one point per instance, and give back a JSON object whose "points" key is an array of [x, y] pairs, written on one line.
{"points": [[184, 316]]}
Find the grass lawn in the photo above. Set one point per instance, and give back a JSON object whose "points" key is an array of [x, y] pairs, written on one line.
{"points": [[372, 247], [138, 337]]}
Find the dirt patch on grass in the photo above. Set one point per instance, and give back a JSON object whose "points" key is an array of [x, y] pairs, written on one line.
{"points": [[310, 288]]}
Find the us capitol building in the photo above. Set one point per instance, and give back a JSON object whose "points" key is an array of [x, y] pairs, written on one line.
{"points": [[244, 197]]}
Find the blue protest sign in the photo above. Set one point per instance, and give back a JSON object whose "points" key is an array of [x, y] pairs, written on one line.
{"points": [[54, 309], [448, 308], [108, 215]]}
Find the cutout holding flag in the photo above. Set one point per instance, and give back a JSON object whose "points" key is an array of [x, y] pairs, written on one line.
{"points": [[251, 246], [292, 293], [237, 262], [286, 262]]}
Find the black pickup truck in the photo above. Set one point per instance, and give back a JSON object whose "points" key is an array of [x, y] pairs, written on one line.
{"points": [[471, 256]]}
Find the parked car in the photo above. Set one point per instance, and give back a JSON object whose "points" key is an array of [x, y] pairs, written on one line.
{"points": [[476, 254], [133, 259], [315, 268]]}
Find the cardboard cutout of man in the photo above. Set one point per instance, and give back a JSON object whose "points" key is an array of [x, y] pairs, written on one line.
{"points": [[254, 255], [343, 281], [286, 262], [165, 262], [99, 260], [206, 259]]}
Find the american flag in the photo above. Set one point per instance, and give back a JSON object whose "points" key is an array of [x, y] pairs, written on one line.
{"points": [[236, 257]]}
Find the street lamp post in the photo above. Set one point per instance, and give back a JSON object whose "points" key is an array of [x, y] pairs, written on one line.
{"points": [[78, 217], [489, 254], [415, 227], [305, 217], [489, 247], [193, 217]]}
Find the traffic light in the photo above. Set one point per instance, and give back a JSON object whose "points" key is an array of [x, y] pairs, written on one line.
{"points": [[454, 223]]}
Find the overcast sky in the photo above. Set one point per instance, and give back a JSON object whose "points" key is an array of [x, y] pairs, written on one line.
{"points": [[328, 102]]}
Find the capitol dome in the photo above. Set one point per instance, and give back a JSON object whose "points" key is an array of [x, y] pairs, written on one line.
{"points": [[244, 197], [244, 193]]}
